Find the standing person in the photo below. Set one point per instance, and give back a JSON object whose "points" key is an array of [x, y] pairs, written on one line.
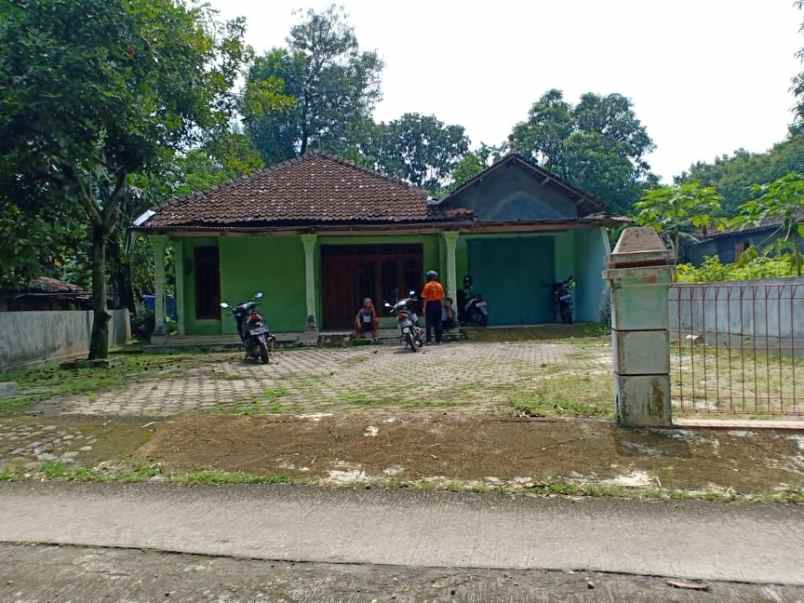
{"points": [[433, 296]]}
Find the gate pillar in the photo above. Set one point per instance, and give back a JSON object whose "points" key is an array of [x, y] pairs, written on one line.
{"points": [[639, 274]]}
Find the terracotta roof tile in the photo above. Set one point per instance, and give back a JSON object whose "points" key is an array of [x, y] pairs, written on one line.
{"points": [[312, 189]]}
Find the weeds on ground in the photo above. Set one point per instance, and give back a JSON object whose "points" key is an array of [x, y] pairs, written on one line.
{"points": [[578, 395], [45, 382]]}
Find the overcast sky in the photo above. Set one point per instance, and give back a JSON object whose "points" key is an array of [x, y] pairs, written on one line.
{"points": [[706, 76]]}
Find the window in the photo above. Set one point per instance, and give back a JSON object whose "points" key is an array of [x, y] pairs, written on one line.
{"points": [[207, 283]]}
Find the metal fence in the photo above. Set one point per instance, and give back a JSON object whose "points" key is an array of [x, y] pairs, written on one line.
{"points": [[737, 348]]}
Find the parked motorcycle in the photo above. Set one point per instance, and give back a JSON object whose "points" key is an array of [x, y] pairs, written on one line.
{"points": [[411, 334], [563, 299], [252, 329], [473, 309]]}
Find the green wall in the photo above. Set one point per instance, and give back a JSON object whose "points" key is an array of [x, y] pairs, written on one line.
{"points": [[271, 264], [191, 324], [591, 255], [275, 266]]}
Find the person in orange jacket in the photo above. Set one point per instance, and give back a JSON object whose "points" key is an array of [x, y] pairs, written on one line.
{"points": [[433, 296]]}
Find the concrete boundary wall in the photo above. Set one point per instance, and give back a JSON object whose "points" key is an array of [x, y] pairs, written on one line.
{"points": [[28, 338], [772, 308]]}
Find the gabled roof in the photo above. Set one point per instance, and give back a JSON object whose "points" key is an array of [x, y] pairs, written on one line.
{"points": [[309, 190], [586, 202]]}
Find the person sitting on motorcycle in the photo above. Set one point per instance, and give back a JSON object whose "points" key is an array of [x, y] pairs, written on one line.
{"points": [[433, 296], [366, 320], [448, 315]]}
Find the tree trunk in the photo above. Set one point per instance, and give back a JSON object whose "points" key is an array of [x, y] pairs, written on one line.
{"points": [[99, 343]]}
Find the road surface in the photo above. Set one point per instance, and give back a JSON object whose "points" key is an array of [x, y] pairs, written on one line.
{"points": [[696, 540]]}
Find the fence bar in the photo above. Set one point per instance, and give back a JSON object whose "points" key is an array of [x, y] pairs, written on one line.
{"points": [[706, 316]]}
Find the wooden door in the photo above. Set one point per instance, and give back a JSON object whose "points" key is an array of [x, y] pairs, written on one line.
{"points": [[352, 273]]}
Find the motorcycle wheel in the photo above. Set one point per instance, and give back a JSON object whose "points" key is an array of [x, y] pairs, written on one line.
{"points": [[479, 318], [411, 342], [265, 356]]}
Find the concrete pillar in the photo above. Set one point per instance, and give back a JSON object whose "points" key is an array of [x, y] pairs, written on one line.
{"points": [[309, 240], [158, 246], [451, 240], [178, 256], [639, 273]]}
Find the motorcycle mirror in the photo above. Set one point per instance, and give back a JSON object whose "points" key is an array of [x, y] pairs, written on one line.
{"points": [[224, 305], [258, 295], [412, 293]]}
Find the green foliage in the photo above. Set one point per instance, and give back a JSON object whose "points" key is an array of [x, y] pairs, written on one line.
{"points": [[419, 149], [472, 164], [797, 127], [598, 145], [316, 93], [780, 202], [735, 176], [749, 266], [676, 211], [94, 91]]}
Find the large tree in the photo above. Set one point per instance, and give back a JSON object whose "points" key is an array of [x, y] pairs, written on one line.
{"points": [[92, 92], [598, 145], [321, 88], [735, 176], [797, 126], [417, 148]]}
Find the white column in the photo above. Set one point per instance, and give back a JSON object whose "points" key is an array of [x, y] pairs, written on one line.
{"points": [[178, 255], [308, 240], [158, 245], [451, 240]]}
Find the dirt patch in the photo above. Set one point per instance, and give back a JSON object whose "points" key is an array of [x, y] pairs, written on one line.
{"points": [[486, 448]]}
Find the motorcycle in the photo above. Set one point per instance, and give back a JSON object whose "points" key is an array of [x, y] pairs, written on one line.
{"points": [[473, 309], [411, 334], [563, 299], [252, 329]]}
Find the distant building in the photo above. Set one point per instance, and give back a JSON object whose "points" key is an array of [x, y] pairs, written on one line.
{"points": [[44, 293], [729, 244]]}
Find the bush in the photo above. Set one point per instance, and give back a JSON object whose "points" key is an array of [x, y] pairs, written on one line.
{"points": [[750, 266]]}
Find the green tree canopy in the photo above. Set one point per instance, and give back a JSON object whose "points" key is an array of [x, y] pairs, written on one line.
{"points": [[677, 211], [94, 91], [417, 148], [734, 176], [472, 164], [598, 145], [797, 127], [321, 88]]}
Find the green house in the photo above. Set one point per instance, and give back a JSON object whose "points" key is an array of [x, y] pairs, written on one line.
{"points": [[317, 234]]}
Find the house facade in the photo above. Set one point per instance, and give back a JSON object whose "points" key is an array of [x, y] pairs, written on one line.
{"points": [[317, 234]]}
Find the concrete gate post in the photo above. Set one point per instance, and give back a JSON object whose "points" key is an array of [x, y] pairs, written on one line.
{"points": [[639, 274]]}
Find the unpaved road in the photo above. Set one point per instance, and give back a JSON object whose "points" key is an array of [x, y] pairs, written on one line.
{"points": [[710, 541], [53, 573]]}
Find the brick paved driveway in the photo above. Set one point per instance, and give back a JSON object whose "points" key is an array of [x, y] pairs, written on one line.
{"points": [[475, 376]]}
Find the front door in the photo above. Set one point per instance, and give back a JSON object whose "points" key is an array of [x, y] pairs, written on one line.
{"points": [[351, 273]]}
